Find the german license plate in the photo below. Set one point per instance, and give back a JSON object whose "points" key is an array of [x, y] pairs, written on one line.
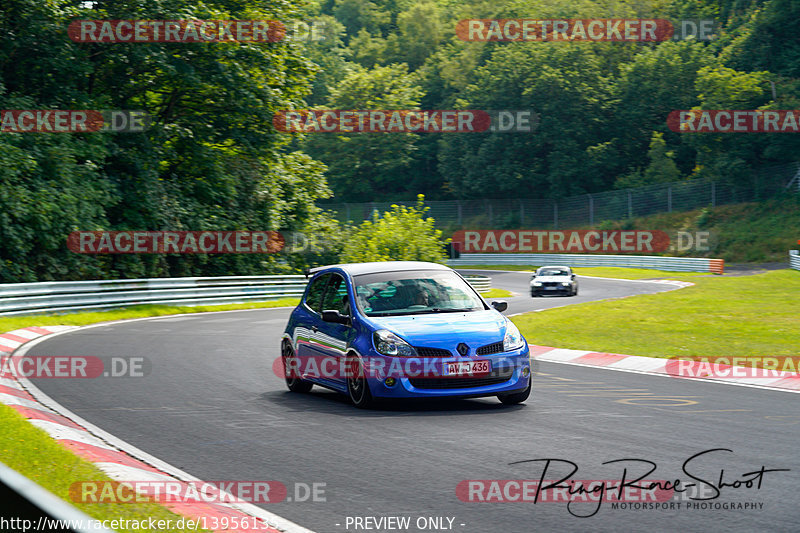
{"points": [[550, 288], [468, 368]]}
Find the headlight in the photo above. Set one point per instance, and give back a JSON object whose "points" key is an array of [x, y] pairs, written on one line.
{"points": [[388, 343], [566, 283], [537, 283], [513, 339]]}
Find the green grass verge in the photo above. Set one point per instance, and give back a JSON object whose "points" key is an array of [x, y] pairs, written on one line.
{"points": [[603, 272], [137, 311], [637, 273], [34, 454], [497, 293], [516, 268], [746, 316]]}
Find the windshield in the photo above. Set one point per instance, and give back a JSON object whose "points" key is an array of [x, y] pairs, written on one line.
{"points": [[553, 272], [415, 292]]}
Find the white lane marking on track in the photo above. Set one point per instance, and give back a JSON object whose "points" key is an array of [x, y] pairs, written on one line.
{"points": [[30, 335], [10, 343], [9, 399], [130, 473], [62, 432]]}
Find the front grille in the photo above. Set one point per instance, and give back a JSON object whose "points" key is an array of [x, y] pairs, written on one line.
{"points": [[432, 352], [489, 349], [551, 284], [496, 377]]}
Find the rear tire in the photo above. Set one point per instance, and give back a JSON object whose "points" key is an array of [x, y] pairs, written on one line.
{"points": [[516, 397], [293, 383], [357, 386]]}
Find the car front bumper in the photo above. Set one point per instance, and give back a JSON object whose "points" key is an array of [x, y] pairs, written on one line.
{"points": [[511, 372]]}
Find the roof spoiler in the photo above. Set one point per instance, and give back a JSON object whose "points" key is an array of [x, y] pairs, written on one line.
{"points": [[312, 271]]}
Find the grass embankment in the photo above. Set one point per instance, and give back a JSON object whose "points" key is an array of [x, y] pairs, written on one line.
{"points": [[753, 232], [497, 293], [137, 311], [744, 316], [31, 452]]}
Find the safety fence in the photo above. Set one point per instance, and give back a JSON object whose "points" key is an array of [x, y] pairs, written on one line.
{"points": [[58, 296], [678, 264], [794, 259], [590, 209]]}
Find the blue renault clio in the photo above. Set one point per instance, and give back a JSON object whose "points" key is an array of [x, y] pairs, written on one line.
{"points": [[402, 329]]}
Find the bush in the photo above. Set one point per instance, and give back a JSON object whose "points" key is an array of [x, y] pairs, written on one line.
{"points": [[402, 234]]}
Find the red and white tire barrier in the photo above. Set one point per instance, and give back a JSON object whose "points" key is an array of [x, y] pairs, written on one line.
{"points": [[108, 453]]}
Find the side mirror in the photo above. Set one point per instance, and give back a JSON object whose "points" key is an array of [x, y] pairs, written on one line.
{"points": [[332, 315], [573, 276], [500, 305]]}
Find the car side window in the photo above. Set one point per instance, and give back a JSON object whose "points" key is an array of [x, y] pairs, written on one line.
{"points": [[315, 292], [336, 295]]}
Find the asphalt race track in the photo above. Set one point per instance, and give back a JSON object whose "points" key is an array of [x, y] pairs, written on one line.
{"points": [[213, 407], [588, 289]]}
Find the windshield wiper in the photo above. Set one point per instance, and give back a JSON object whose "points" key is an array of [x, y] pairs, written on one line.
{"points": [[424, 311], [439, 310]]}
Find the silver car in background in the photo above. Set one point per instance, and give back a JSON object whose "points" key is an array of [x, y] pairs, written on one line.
{"points": [[554, 280]]}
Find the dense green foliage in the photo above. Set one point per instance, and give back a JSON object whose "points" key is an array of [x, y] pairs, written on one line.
{"points": [[211, 159], [402, 234], [603, 105]]}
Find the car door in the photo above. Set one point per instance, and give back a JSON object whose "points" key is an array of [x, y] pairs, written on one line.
{"points": [[334, 338], [309, 320]]}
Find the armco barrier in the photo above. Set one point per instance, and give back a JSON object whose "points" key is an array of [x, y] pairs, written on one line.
{"points": [[794, 259], [678, 264], [27, 506], [57, 296]]}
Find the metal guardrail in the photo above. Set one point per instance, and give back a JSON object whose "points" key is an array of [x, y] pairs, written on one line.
{"points": [[794, 259], [27, 506], [480, 283], [678, 264], [60, 296], [30, 298]]}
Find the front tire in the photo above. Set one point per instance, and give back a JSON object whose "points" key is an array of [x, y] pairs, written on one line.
{"points": [[516, 397], [357, 386], [293, 382]]}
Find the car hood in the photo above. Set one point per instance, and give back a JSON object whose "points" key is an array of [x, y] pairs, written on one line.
{"points": [[446, 330], [557, 279]]}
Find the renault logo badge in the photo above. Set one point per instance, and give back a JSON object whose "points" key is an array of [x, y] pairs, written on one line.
{"points": [[463, 349]]}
